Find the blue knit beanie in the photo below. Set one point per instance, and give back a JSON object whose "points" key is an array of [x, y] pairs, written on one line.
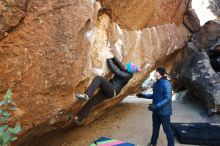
{"points": [[132, 68]]}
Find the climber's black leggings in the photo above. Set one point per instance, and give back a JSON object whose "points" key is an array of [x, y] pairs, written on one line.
{"points": [[106, 91]]}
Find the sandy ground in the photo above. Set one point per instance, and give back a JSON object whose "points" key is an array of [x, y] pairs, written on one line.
{"points": [[129, 121]]}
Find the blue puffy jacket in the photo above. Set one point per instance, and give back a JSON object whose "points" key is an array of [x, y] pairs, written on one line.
{"points": [[162, 97]]}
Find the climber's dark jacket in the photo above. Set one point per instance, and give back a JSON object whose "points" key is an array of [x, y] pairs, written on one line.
{"points": [[121, 75]]}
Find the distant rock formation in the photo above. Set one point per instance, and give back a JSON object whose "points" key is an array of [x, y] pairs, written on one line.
{"points": [[199, 65]]}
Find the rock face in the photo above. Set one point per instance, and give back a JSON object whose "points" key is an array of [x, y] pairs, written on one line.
{"points": [[11, 13], [191, 20], [207, 37], [195, 71], [60, 46], [137, 14], [215, 7], [44, 59], [216, 49]]}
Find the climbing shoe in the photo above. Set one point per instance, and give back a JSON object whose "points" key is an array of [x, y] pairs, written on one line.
{"points": [[82, 97], [77, 120], [72, 122]]}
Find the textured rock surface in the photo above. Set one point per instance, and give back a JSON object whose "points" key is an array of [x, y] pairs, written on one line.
{"points": [[44, 59], [191, 20], [61, 45], [208, 35], [215, 7], [11, 13], [195, 72], [137, 14], [217, 49]]}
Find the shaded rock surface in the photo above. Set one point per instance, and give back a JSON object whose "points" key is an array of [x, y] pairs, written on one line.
{"points": [[215, 7], [61, 45], [208, 37], [191, 20], [215, 62], [195, 71], [217, 49], [137, 14]]}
